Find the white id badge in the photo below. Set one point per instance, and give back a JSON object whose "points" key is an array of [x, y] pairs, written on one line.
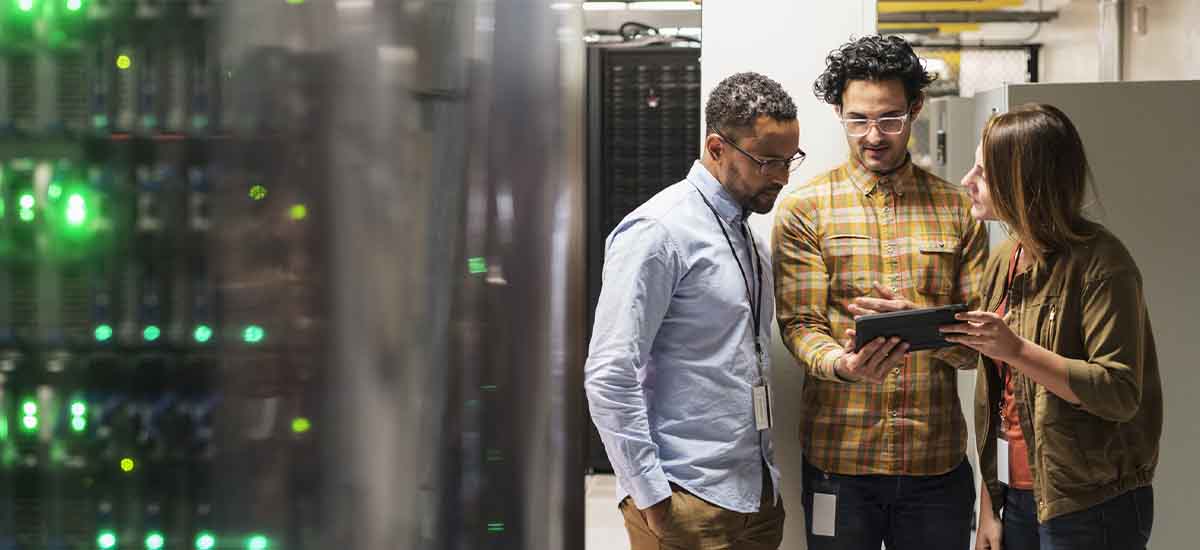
{"points": [[1002, 460], [762, 407], [824, 517]]}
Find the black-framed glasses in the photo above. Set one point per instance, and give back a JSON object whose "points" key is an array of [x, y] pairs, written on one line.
{"points": [[859, 127], [771, 165]]}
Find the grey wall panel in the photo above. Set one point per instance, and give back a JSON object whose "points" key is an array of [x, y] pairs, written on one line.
{"points": [[1142, 144]]}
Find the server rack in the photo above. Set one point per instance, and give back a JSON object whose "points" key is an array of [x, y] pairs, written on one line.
{"points": [[271, 277], [643, 133]]}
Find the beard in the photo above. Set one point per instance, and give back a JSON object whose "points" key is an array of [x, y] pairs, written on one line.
{"points": [[881, 160]]}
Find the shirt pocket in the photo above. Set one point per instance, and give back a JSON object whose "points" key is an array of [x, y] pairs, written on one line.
{"points": [[850, 261], [1041, 321], [936, 265]]}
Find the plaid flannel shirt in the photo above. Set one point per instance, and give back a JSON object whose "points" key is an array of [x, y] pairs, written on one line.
{"points": [[833, 238]]}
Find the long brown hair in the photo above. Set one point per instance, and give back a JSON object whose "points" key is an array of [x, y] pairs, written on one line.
{"points": [[1037, 175]]}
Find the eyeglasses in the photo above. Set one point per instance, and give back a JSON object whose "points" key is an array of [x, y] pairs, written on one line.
{"points": [[772, 165], [859, 127]]}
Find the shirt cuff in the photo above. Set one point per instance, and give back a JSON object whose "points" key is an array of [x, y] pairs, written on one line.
{"points": [[829, 364], [957, 357], [649, 488], [1082, 378]]}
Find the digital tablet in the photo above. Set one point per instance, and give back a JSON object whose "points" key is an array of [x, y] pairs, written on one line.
{"points": [[918, 327]]}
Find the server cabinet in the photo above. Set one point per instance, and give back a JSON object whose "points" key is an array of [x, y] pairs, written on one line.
{"points": [[643, 133], [290, 275]]}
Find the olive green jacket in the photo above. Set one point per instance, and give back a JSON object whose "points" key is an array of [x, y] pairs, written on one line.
{"points": [[1086, 305]]}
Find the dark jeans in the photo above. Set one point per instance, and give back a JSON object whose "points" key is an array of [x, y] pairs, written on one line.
{"points": [[905, 512], [1121, 523]]}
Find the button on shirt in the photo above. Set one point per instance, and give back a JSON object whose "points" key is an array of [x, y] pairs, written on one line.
{"points": [[834, 238], [672, 364]]}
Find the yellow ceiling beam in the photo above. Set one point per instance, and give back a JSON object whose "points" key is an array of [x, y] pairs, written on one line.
{"points": [[890, 6], [943, 28]]}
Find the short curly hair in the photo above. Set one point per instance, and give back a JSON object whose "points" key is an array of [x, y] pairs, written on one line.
{"points": [[875, 58], [740, 99]]}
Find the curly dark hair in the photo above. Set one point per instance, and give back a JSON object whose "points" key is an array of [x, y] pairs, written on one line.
{"points": [[874, 58], [741, 98]]}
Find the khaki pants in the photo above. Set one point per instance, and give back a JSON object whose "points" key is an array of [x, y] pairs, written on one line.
{"points": [[694, 524]]}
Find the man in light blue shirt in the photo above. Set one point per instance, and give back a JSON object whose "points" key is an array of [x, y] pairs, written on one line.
{"points": [[677, 371]]}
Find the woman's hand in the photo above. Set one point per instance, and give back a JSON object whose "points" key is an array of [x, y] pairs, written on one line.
{"points": [[990, 534], [986, 333]]}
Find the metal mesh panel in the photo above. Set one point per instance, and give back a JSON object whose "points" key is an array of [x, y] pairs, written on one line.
{"points": [[986, 69], [966, 71]]}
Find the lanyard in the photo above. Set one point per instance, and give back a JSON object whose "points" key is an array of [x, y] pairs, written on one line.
{"points": [[754, 298], [1006, 370]]}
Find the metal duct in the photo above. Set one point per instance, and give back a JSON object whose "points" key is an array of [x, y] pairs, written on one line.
{"points": [[962, 16]]}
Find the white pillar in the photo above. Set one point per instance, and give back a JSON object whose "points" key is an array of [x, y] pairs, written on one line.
{"points": [[786, 40]]}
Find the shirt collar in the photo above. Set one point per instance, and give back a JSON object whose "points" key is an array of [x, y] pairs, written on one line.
{"points": [[899, 181], [720, 199]]}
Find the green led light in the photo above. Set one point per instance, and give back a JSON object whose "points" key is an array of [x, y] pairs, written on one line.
{"points": [[54, 190], [258, 192], [78, 408], [26, 201], [106, 540], [154, 540], [301, 425], [103, 333], [29, 408], [127, 465], [253, 334], [74, 5], [151, 333], [76, 210], [477, 265], [495, 527], [257, 542], [78, 424], [26, 215], [124, 62], [205, 541], [295, 2], [298, 212], [29, 423], [202, 334], [25, 5]]}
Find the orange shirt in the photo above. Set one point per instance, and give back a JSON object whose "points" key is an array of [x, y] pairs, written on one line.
{"points": [[1019, 474]]}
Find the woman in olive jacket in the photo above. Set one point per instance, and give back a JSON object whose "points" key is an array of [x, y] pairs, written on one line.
{"points": [[1068, 400]]}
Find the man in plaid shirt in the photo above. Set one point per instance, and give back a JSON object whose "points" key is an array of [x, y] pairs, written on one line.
{"points": [[883, 432]]}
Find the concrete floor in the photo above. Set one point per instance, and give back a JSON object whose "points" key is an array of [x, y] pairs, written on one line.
{"points": [[604, 527]]}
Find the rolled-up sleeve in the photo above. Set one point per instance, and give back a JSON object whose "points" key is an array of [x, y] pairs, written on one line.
{"points": [[641, 269], [1109, 381]]}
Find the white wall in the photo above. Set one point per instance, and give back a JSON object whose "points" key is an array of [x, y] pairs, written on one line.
{"points": [[1071, 46], [787, 41], [1170, 48]]}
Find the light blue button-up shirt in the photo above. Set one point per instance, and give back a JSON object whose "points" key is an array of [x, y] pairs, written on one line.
{"points": [[672, 364]]}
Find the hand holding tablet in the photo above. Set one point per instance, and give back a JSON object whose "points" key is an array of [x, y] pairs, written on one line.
{"points": [[917, 327]]}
